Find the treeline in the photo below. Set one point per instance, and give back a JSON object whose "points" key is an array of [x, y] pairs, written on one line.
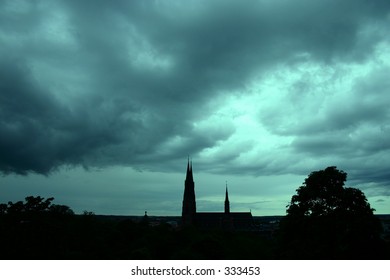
{"points": [[38, 229]]}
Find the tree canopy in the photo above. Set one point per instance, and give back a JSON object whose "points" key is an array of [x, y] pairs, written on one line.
{"points": [[323, 194], [327, 220], [34, 206]]}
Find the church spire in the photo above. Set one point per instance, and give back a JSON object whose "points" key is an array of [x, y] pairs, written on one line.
{"points": [[227, 203], [189, 203], [189, 176], [188, 168]]}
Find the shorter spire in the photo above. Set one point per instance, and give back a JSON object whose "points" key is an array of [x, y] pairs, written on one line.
{"points": [[226, 195], [227, 203]]}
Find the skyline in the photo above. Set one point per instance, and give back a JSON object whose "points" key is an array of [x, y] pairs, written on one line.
{"points": [[159, 198], [101, 102]]}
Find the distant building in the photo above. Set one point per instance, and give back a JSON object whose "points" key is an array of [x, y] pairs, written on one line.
{"points": [[241, 221]]}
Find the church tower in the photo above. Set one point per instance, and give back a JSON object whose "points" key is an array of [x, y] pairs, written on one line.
{"points": [[227, 203], [189, 203]]}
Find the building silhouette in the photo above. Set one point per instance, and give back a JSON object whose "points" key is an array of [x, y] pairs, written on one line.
{"points": [[227, 220]]}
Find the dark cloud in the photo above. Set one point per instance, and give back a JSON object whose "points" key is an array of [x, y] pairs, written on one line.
{"points": [[96, 83]]}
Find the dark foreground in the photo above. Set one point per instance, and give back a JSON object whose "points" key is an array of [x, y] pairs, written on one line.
{"points": [[58, 236]]}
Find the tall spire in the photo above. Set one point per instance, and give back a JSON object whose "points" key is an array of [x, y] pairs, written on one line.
{"points": [[189, 203], [189, 170], [227, 203]]}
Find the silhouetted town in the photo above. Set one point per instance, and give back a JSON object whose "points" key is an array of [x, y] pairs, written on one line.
{"points": [[342, 228]]}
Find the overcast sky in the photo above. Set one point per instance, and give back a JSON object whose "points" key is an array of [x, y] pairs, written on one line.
{"points": [[101, 102]]}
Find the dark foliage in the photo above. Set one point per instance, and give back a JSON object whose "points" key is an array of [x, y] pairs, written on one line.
{"points": [[326, 220], [38, 229]]}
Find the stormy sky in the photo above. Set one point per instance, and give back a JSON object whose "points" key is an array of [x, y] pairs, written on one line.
{"points": [[101, 102]]}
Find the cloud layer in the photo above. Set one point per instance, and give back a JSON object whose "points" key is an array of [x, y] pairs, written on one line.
{"points": [[248, 87]]}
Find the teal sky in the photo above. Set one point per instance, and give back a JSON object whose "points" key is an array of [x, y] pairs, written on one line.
{"points": [[101, 102]]}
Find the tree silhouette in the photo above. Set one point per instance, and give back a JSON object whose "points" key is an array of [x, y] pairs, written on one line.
{"points": [[34, 206], [327, 220], [323, 194]]}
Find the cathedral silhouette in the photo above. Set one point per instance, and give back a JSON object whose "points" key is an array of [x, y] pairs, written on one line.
{"points": [[242, 221]]}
